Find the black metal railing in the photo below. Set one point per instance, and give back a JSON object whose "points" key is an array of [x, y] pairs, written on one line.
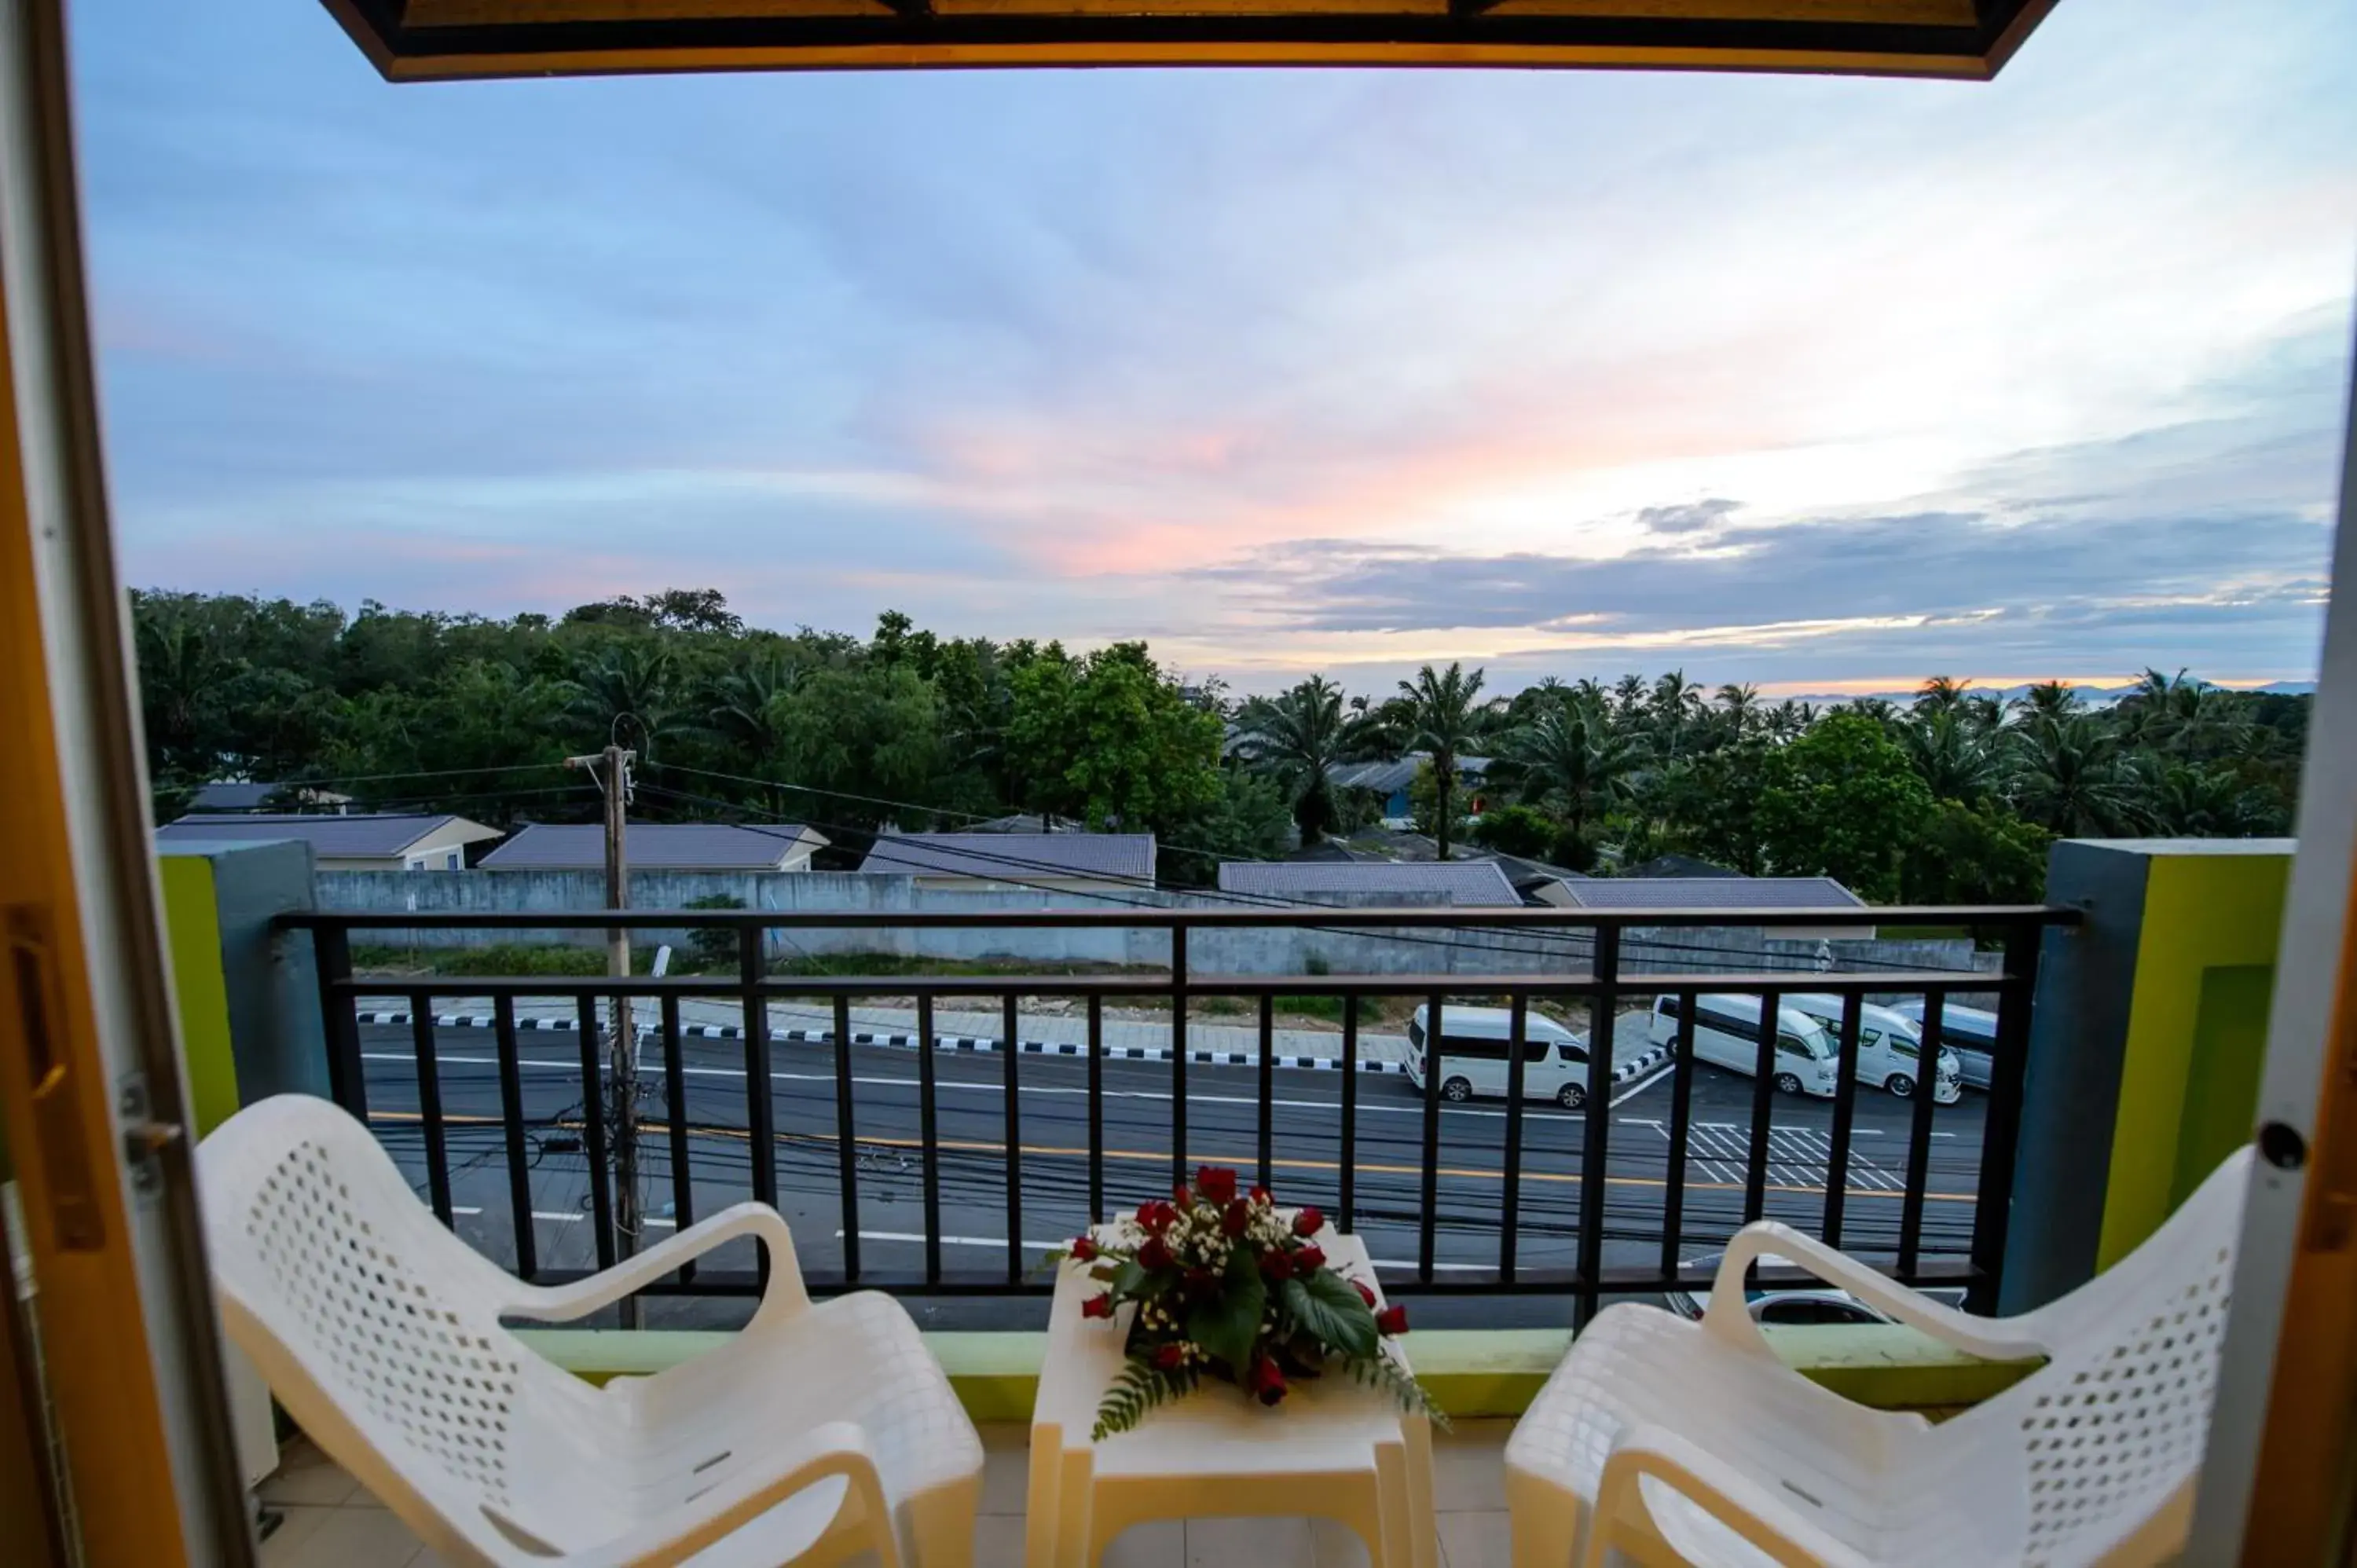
{"points": [[1625, 1188]]}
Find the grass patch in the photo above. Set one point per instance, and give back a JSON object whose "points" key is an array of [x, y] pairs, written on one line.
{"points": [[500, 959]]}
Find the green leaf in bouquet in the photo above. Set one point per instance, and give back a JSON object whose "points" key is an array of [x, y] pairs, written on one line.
{"points": [[1227, 1324], [1328, 1307], [1135, 1282]]}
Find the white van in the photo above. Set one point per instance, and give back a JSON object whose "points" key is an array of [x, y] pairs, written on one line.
{"points": [[1970, 1033], [1726, 1034], [1889, 1048], [1474, 1056]]}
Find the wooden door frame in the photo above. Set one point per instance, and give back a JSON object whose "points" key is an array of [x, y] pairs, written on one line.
{"points": [[90, 1068], [2276, 1484]]}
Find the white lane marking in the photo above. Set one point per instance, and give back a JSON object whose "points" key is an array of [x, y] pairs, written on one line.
{"points": [[1644, 1084], [561, 1217], [999, 1243]]}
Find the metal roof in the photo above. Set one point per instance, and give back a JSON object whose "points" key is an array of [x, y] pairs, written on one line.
{"points": [[653, 846], [1384, 778], [357, 835], [1711, 893], [409, 40], [1468, 884], [1015, 857]]}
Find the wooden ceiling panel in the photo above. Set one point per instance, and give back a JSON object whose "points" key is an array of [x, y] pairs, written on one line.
{"points": [[430, 39]]}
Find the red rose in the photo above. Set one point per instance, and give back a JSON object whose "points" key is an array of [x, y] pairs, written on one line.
{"points": [[1309, 1222], [1366, 1292], [1154, 1255], [1182, 1197], [1217, 1184], [1277, 1265], [1097, 1305], [1169, 1356], [1083, 1247], [1306, 1259], [1392, 1320], [1260, 1194], [1267, 1380], [1154, 1216], [1238, 1216]]}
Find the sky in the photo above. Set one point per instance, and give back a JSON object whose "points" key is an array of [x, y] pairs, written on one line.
{"points": [[1820, 383]]}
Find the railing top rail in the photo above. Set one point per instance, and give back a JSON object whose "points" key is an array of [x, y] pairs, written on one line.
{"points": [[1158, 918], [1156, 985]]}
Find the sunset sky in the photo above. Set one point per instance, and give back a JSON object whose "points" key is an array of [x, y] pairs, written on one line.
{"points": [[1819, 383]]}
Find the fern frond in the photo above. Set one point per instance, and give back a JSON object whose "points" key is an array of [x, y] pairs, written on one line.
{"points": [[1381, 1372], [1139, 1389]]}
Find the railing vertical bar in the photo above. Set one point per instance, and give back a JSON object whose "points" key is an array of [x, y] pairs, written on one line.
{"points": [[761, 1106], [1014, 1147], [847, 1140], [683, 1171], [1845, 1113], [1673, 1193], [1177, 1053], [1763, 1093], [593, 1121], [1594, 1150], [2001, 1125], [1509, 1200], [503, 1034], [1267, 1084], [1919, 1147], [929, 1133], [429, 1106], [1096, 1109], [339, 1015], [1347, 1155], [1428, 1211]]}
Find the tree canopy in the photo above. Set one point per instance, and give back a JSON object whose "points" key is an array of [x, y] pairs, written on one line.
{"points": [[1952, 797]]}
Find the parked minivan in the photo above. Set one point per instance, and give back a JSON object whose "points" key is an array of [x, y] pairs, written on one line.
{"points": [[1890, 1047], [1474, 1056], [1969, 1032], [1726, 1034]]}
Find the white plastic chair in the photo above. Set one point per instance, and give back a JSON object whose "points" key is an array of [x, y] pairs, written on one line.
{"points": [[1662, 1440], [821, 1431]]}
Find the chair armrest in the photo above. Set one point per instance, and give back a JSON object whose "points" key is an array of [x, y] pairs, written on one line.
{"points": [[837, 1448], [785, 1297], [1761, 1515], [1992, 1340]]}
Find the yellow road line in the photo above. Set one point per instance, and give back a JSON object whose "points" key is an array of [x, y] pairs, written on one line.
{"points": [[968, 1147]]}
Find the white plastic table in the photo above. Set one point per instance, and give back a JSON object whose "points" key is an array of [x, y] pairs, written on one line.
{"points": [[1332, 1449]]}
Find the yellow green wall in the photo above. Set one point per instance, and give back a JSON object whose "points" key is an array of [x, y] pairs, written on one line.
{"points": [[2197, 1033], [193, 925]]}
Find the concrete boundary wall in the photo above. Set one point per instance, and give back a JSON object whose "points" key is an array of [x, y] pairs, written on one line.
{"points": [[1306, 950]]}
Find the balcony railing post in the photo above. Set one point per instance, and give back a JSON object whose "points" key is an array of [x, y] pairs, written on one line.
{"points": [[1595, 1168], [1763, 1096], [2001, 1126], [1347, 1156], [1178, 1172], [847, 1141], [332, 957], [429, 1105], [1428, 1211], [760, 1108], [1509, 1200]]}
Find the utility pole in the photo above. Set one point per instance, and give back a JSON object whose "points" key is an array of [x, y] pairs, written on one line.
{"points": [[612, 768]]}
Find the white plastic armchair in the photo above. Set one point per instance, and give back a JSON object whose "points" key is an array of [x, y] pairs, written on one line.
{"points": [[821, 1431], [1659, 1440]]}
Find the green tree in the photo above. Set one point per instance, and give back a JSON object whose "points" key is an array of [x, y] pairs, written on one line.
{"points": [[2072, 778], [1111, 741], [1297, 738], [1843, 802], [1524, 830], [1571, 757], [1445, 719], [1975, 855]]}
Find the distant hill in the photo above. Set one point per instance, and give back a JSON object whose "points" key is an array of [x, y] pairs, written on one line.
{"points": [[2094, 695]]}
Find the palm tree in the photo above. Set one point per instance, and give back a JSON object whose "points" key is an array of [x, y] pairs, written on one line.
{"points": [[1941, 694], [1740, 709], [2048, 700], [1951, 753], [741, 708], [1570, 754], [1299, 736], [2072, 779], [1674, 704], [627, 680], [1627, 699], [1444, 716]]}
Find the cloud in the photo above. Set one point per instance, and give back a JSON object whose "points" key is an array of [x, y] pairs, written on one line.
{"points": [[1690, 517]]}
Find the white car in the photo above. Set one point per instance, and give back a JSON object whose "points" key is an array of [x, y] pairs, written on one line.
{"points": [[1787, 1303], [1969, 1032], [1474, 1056], [1889, 1048], [1726, 1034]]}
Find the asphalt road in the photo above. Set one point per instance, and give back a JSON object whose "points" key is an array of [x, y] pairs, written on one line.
{"points": [[1222, 1127]]}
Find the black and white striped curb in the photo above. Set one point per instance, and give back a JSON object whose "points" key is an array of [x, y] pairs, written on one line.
{"points": [[908, 1042], [1658, 1056]]}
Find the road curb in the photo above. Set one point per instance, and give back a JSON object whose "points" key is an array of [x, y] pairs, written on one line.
{"points": [[908, 1042]]}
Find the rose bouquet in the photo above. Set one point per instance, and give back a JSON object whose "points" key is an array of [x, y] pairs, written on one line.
{"points": [[1228, 1285]]}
